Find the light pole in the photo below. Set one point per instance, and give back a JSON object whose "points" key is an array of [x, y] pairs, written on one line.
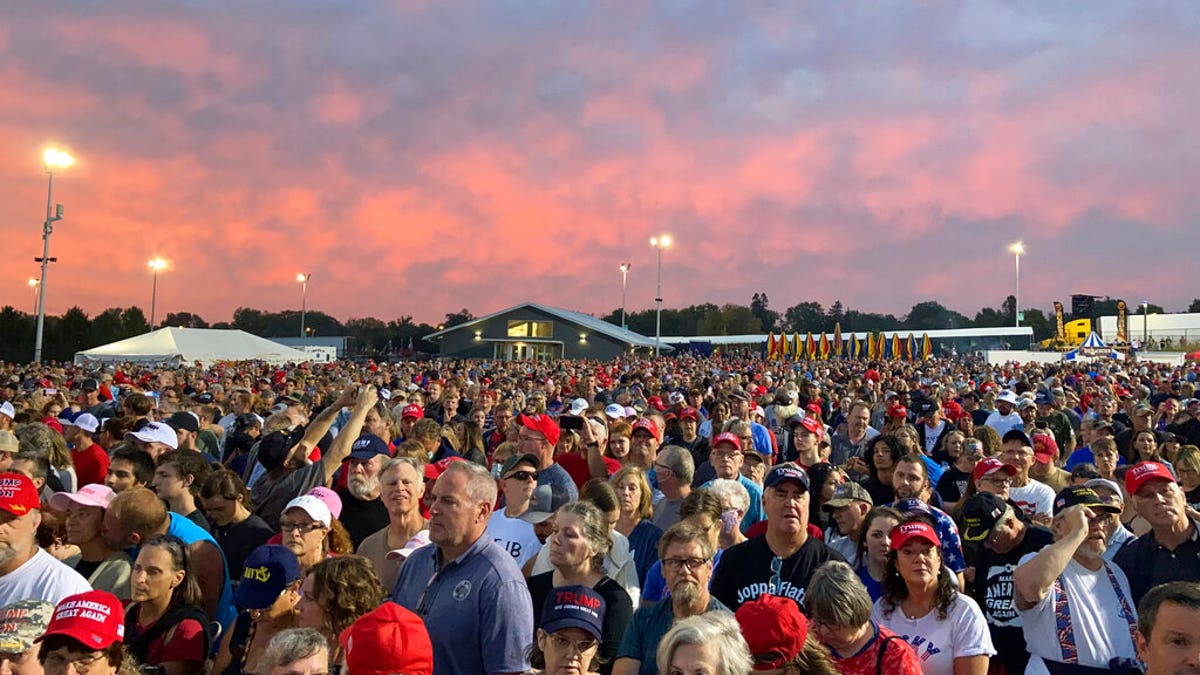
{"points": [[303, 278], [624, 275], [52, 159], [1017, 249], [156, 265], [1145, 332], [34, 285], [660, 242]]}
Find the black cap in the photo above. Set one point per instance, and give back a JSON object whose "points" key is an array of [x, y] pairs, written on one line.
{"points": [[1078, 495], [90, 384], [185, 421], [1017, 435], [980, 513], [204, 398], [272, 450]]}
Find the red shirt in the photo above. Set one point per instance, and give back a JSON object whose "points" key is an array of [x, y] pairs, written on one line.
{"points": [[898, 658], [577, 467], [184, 642], [91, 464]]}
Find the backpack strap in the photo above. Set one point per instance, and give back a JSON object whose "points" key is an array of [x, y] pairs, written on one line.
{"points": [[882, 648]]}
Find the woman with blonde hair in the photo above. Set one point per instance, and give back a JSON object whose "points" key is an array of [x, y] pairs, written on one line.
{"points": [[635, 519]]}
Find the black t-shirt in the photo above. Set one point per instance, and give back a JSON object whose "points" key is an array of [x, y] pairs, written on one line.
{"points": [[993, 590], [237, 540], [87, 568], [198, 518], [362, 518], [618, 610], [880, 492], [745, 571], [953, 484]]}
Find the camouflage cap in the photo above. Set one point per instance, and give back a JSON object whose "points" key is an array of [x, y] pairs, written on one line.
{"points": [[23, 622]]}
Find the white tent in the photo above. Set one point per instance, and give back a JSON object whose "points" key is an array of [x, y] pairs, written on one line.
{"points": [[1092, 348], [173, 346]]}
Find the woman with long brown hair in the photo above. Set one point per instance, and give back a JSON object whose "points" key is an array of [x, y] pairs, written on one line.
{"points": [[334, 594], [166, 626]]}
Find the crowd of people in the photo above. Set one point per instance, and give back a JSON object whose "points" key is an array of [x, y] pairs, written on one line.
{"points": [[712, 515]]}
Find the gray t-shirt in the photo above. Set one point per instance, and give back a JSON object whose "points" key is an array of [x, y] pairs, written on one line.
{"points": [[270, 496]]}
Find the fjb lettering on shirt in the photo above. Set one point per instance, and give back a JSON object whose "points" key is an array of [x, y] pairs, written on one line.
{"points": [[787, 590], [513, 547], [924, 648]]}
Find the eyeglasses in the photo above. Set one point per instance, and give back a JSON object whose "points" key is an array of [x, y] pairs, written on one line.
{"points": [[663, 467], [303, 528], [524, 475], [996, 481], [567, 644], [56, 661], [675, 564], [776, 575], [725, 453]]}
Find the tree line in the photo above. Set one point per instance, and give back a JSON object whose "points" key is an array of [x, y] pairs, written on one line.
{"points": [[75, 331]]}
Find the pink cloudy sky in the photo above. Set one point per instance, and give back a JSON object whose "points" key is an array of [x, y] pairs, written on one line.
{"points": [[421, 157]]}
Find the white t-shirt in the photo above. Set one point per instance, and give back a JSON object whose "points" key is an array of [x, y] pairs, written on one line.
{"points": [[1004, 423], [931, 436], [1101, 633], [515, 536], [1034, 498], [42, 577], [938, 643], [844, 545]]}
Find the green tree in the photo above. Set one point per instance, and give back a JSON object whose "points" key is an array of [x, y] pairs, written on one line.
{"points": [[805, 317], [1195, 306], [930, 315], [759, 307], [460, 317], [184, 320]]}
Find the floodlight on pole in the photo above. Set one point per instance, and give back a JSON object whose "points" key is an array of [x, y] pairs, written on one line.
{"points": [[660, 242], [52, 159], [34, 285], [624, 267], [303, 278], [1017, 248], [157, 265]]}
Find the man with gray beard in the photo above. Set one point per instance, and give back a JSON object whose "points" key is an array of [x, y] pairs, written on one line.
{"points": [[686, 552], [363, 513]]}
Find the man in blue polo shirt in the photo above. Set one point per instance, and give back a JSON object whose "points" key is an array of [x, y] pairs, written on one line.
{"points": [[466, 588]]}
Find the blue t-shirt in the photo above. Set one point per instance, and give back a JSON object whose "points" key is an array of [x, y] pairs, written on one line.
{"points": [[190, 533], [874, 588], [643, 546], [647, 628], [1084, 455]]}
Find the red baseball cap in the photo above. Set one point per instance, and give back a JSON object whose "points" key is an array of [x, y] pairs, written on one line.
{"points": [[897, 410], [1045, 448], [774, 626], [18, 494], [388, 639], [656, 403], [726, 437], [689, 413], [1144, 472], [412, 410], [990, 465], [543, 424], [906, 532], [95, 618], [646, 424], [813, 425]]}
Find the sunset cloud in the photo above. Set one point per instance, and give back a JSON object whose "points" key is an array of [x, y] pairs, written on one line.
{"points": [[421, 157]]}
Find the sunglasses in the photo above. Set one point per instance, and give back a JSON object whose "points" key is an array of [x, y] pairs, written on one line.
{"points": [[524, 475]]}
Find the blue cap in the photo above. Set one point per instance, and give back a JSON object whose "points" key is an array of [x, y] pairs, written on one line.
{"points": [[1042, 397], [784, 472], [368, 446], [268, 571], [573, 607]]}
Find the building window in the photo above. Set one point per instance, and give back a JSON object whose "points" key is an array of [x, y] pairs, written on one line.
{"points": [[530, 329]]}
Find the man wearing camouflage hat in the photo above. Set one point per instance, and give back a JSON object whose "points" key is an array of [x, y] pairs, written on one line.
{"points": [[21, 623]]}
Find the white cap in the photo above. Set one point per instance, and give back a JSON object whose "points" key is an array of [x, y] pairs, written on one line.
{"points": [[85, 421], [156, 432], [614, 411], [578, 406], [313, 506], [7, 410], [419, 539], [1007, 396]]}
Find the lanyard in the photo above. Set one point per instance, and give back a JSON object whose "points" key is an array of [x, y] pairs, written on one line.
{"points": [[1062, 611]]}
